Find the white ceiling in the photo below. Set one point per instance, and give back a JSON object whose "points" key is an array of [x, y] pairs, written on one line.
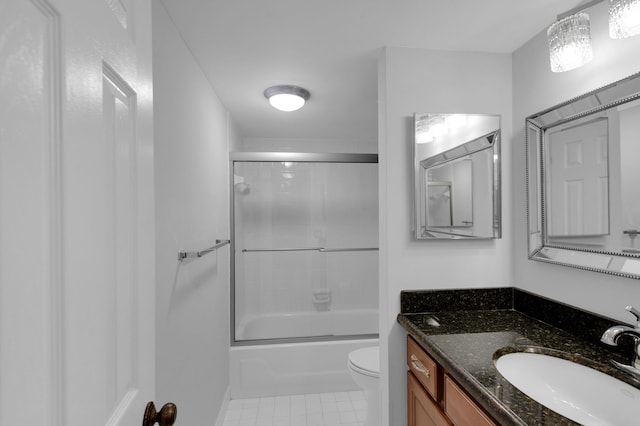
{"points": [[331, 48]]}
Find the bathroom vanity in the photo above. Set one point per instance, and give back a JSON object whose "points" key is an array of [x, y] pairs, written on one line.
{"points": [[433, 397], [455, 336]]}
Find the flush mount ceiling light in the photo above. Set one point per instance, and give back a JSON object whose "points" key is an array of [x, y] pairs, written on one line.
{"points": [[624, 18], [570, 42], [287, 98]]}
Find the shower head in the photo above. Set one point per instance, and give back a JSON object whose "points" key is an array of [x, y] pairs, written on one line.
{"points": [[240, 185]]}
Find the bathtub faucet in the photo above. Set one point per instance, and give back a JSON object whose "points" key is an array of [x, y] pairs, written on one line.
{"points": [[611, 335]]}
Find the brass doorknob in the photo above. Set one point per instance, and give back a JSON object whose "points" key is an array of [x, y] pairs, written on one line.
{"points": [[165, 417]]}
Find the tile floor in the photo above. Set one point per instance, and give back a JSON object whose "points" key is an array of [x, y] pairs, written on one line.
{"points": [[323, 409]]}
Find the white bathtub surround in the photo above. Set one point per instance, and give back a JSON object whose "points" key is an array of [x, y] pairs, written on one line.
{"points": [[323, 409], [293, 368], [308, 324], [304, 236]]}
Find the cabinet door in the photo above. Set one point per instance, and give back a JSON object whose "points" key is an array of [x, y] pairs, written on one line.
{"points": [[460, 408], [422, 411]]}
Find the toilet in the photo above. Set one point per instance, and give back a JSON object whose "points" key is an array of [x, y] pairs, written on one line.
{"points": [[364, 367]]}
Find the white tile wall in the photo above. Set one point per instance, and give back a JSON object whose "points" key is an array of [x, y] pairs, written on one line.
{"points": [[324, 409]]}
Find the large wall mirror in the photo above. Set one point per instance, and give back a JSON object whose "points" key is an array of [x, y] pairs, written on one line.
{"points": [[457, 176], [583, 172]]}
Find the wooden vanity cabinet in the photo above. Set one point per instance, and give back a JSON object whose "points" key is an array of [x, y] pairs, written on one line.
{"points": [[434, 398], [422, 410], [460, 408]]}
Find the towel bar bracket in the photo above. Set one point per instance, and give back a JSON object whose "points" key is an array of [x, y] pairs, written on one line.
{"points": [[196, 254]]}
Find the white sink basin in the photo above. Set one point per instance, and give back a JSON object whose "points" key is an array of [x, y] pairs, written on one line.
{"points": [[580, 393]]}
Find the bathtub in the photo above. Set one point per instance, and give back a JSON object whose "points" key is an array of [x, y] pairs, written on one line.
{"points": [[273, 369], [309, 324]]}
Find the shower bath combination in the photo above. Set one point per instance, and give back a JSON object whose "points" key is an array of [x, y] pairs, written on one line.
{"points": [[304, 269]]}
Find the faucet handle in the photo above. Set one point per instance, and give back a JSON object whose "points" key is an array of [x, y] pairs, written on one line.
{"points": [[636, 313]]}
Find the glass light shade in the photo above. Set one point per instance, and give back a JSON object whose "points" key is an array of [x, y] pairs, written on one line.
{"points": [[286, 102], [287, 98], [624, 18], [570, 42]]}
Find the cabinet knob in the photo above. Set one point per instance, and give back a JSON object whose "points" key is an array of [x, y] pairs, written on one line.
{"points": [[165, 417], [415, 362]]}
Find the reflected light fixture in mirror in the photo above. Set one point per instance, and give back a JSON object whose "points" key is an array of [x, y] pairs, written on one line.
{"points": [[287, 98], [624, 18], [432, 126]]}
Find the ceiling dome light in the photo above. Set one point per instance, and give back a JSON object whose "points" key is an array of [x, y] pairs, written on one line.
{"points": [[570, 42], [624, 18], [287, 98]]}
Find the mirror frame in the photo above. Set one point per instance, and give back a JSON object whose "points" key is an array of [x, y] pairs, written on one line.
{"points": [[537, 127], [463, 149]]}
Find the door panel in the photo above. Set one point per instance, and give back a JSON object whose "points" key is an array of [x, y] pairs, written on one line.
{"points": [[579, 166], [76, 218], [119, 103], [29, 213]]}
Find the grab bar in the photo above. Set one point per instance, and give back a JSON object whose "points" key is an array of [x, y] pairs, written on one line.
{"points": [[195, 254], [320, 249]]}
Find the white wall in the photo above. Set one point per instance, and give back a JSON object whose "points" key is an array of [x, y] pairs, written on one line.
{"points": [[192, 133], [412, 80], [535, 88]]}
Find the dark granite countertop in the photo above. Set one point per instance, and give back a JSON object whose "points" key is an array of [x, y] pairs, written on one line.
{"points": [[466, 342]]}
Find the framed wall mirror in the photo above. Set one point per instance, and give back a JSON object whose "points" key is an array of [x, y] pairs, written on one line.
{"points": [[583, 171], [457, 176]]}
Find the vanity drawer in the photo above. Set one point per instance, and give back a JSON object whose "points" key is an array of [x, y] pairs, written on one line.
{"points": [[425, 369], [460, 408]]}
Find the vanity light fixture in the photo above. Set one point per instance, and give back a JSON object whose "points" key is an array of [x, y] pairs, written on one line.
{"points": [[287, 98], [570, 36], [570, 42], [624, 18]]}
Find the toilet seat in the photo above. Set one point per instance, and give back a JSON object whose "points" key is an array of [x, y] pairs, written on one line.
{"points": [[366, 361]]}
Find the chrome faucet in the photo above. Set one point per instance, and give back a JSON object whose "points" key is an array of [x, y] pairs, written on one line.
{"points": [[611, 335]]}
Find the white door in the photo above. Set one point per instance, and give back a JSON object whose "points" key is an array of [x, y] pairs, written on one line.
{"points": [[462, 193], [579, 181], [76, 212]]}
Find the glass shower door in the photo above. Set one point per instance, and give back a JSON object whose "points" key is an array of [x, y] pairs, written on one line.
{"points": [[305, 240]]}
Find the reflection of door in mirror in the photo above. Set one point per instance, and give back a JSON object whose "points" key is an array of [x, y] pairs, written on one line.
{"points": [[578, 181], [451, 188], [463, 190], [439, 207]]}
